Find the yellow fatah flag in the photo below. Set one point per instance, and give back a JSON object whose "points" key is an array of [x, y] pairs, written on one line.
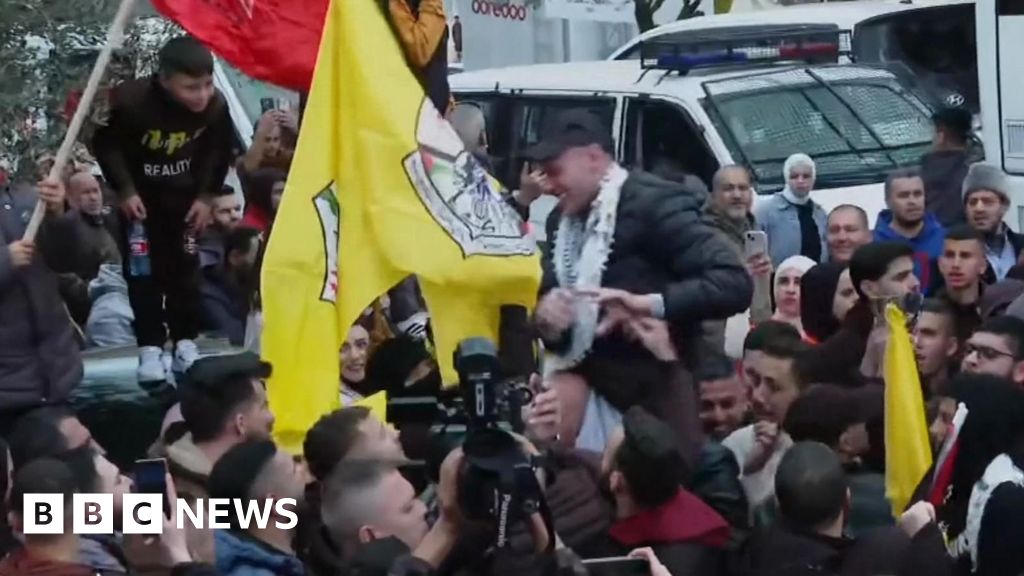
{"points": [[381, 187], [377, 404], [908, 452]]}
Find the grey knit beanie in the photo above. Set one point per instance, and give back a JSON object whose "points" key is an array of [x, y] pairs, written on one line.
{"points": [[982, 176]]}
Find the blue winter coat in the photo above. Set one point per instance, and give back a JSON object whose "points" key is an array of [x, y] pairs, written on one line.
{"points": [[241, 555]]}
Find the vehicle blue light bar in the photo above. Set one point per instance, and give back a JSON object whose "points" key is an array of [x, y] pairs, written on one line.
{"points": [[686, 62], [685, 52]]}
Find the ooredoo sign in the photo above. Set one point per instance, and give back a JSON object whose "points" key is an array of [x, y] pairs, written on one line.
{"points": [[499, 10]]}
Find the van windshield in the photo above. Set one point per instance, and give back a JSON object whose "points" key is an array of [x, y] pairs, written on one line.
{"points": [[937, 43], [857, 123]]}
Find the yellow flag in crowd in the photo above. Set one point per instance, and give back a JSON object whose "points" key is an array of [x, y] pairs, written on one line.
{"points": [[380, 188], [377, 404], [908, 453]]}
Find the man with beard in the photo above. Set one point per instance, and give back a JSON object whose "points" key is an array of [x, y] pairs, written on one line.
{"points": [[226, 290], [728, 210], [906, 220], [259, 475], [626, 246], [724, 400], [997, 349], [227, 215], [760, 446], [987, 198]]}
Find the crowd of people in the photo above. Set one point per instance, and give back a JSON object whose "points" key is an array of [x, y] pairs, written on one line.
{"points": [[708, 405]]}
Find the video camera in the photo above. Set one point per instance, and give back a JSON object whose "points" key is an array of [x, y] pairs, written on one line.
{"points": [[498, 481]]}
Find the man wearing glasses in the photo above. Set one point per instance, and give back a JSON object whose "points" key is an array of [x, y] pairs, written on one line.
{"points": [[997, 349]]}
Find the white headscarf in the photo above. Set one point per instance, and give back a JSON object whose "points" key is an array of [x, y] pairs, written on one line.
{"points": [[787, 168], [801, 263]]}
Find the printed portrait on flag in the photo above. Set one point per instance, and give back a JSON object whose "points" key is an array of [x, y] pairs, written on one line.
{"points": [[461, 196]]}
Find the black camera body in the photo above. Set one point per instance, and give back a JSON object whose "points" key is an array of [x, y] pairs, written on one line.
{"points": [[497, 482]]}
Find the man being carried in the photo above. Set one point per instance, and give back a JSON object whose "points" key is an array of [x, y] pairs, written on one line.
{"points": [[626, 245]]}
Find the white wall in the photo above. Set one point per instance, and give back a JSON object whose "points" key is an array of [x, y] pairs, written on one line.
{"points": [[494, 42]]}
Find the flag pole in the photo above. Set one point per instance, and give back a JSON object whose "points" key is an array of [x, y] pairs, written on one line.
{"points": [[114, 36]]}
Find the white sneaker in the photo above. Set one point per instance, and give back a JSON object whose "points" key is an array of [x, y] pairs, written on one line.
{"points": [[151, 366], [185, 353]]}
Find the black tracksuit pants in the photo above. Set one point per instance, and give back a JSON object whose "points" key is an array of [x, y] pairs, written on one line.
{"points": [[167, 299]]}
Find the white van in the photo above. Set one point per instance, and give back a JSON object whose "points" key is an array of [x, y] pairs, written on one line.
{"points": [[1001, 81], [934, 38], [725, 105]]}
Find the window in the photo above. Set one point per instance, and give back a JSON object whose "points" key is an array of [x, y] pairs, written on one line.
{"points": [[662, 139], [937, 44], [534, 114], [856, 129], [497, 114], [539, 113]]}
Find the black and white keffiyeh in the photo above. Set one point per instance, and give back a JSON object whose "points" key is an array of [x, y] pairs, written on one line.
{"points": [[580, 255]]}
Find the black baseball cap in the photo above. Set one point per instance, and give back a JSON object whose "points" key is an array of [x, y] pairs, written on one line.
{"points": [[213, 370], [955, 118], [570, 129], [651, 441]]}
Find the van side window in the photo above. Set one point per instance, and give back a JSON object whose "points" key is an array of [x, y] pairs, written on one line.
{"points": [[662, 139], [937, 43], [497, 109], [535, 114]]}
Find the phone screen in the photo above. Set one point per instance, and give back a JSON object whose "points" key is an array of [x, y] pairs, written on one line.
{"points": [[617, 567], [151, 478]]}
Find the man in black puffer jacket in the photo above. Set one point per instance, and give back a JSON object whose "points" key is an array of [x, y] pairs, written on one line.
{"points": [[627, 248]]}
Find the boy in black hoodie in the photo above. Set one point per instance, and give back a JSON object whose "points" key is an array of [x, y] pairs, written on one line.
{"points": [[165, 149]]}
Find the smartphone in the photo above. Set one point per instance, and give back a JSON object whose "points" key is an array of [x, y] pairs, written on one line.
{"points": [[755, 242], [151, 478], [617, 566], [267, 104]]}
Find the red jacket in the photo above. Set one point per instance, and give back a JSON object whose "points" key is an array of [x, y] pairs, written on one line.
{"points": [[22, 563]]}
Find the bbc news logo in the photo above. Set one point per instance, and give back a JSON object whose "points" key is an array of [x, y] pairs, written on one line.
{"points": [[143, 513]]}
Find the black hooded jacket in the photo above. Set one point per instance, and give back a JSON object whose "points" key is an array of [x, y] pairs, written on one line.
{"points": [[818, 289], [662, 247], [943, 173]]}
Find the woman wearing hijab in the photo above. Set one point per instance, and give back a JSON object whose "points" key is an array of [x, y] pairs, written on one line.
{"points": [[827, 294], [787, 290], [795, 224]]}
